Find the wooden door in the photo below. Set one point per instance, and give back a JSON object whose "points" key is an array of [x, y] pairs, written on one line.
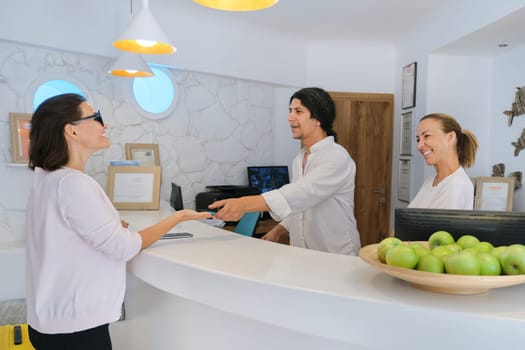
{"points": [[364, 126]]}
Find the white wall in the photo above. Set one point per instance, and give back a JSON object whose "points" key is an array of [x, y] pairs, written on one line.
{"points": [[285, 147], [351, 66], [509, 73], [462, 87]]}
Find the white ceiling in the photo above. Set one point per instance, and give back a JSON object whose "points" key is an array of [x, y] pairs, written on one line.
{"points": [[368, 20], [386, 21], [486, 41]]}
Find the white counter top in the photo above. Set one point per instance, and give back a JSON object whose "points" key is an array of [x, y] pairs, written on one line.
{"points": [[334, 297]]}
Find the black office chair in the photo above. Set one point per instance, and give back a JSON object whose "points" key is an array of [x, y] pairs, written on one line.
{"points": [[246, 226]]}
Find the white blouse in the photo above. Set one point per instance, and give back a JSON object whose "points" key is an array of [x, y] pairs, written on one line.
{"points": [[76, 253], [456, 191]]}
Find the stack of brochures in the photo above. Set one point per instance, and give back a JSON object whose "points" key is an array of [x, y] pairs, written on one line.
{"points": [[124, 163]]}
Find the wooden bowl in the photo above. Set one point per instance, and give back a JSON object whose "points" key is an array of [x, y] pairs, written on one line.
{"points": [[439, 282]]}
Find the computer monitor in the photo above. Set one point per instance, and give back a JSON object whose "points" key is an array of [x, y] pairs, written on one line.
{"points": [[268, 177], [496, 227]]}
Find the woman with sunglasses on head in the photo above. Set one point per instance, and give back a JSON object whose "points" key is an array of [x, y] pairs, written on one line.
{"points": [[76, 245]]}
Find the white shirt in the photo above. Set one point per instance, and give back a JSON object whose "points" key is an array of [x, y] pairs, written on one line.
{"points": [[456, 191], [318, 205], [76, 253]]}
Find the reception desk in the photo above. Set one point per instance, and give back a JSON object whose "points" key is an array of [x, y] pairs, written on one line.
{"points": [[221, 290]]}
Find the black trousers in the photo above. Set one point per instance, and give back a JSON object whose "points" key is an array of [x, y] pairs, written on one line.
{"points": [[94, 338]]}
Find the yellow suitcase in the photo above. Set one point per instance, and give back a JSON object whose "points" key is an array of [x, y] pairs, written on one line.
{"points": [[15, 337]]}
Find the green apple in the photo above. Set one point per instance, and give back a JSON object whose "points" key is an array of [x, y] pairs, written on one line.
{"points": [[439, 238], [462, 264], [430, 263], [498, 250], [472, 251], [402, 255], [441, 251], [385, 245], [489, 264], [467, 241], [454, 248], [513, 260], [484, 247], [420, 249]]}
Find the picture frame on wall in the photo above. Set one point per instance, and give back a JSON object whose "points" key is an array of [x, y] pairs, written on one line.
{"points": [[407, 133], [408, 92], [146, 153], [131, 187], [20, 125], [403, 186], [494, 193]]}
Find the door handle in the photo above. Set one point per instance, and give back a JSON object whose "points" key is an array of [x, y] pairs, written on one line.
{"points": [[379, 190]]}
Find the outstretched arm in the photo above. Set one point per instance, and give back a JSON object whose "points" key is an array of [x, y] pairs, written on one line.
{"points": [[153, 233], [232, 209]]}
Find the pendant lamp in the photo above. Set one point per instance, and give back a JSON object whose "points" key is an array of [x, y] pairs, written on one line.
{"points": [[144, 35], [237, 5], [130, 65]]}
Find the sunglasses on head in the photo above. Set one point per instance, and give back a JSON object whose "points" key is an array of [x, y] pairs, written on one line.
{"points": [[97, 116]]}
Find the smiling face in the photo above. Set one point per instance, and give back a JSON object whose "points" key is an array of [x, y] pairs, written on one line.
{"points": [[91, 134], [303, 126], [434, 144]]}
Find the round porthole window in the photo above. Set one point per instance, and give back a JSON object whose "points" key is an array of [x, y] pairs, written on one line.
{"points": [[52, 88], [156, 96]]}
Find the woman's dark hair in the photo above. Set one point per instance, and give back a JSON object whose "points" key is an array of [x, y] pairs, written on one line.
{"points": [[48, 148], [321, 107], [467, 143]]}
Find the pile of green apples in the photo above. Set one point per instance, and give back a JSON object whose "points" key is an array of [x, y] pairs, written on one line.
{"points": [[466, 256]]}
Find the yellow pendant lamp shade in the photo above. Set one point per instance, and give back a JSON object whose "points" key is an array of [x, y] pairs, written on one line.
{"points": [[130, 65], [237, 5], [144, 35]]}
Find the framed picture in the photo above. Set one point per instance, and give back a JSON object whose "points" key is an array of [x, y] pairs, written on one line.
{"points": [[403, 186], [132, 187], [146, 153], [20, 124], [407, 133], [494, 193], [408, 90]]}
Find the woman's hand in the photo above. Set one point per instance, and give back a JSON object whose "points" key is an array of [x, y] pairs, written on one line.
{"points": [[151, 234], [188, 214]]}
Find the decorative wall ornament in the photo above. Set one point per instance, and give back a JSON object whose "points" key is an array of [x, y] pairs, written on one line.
{"points": [[518, 106], [498, 170], [520, 144], [517, 179]]}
